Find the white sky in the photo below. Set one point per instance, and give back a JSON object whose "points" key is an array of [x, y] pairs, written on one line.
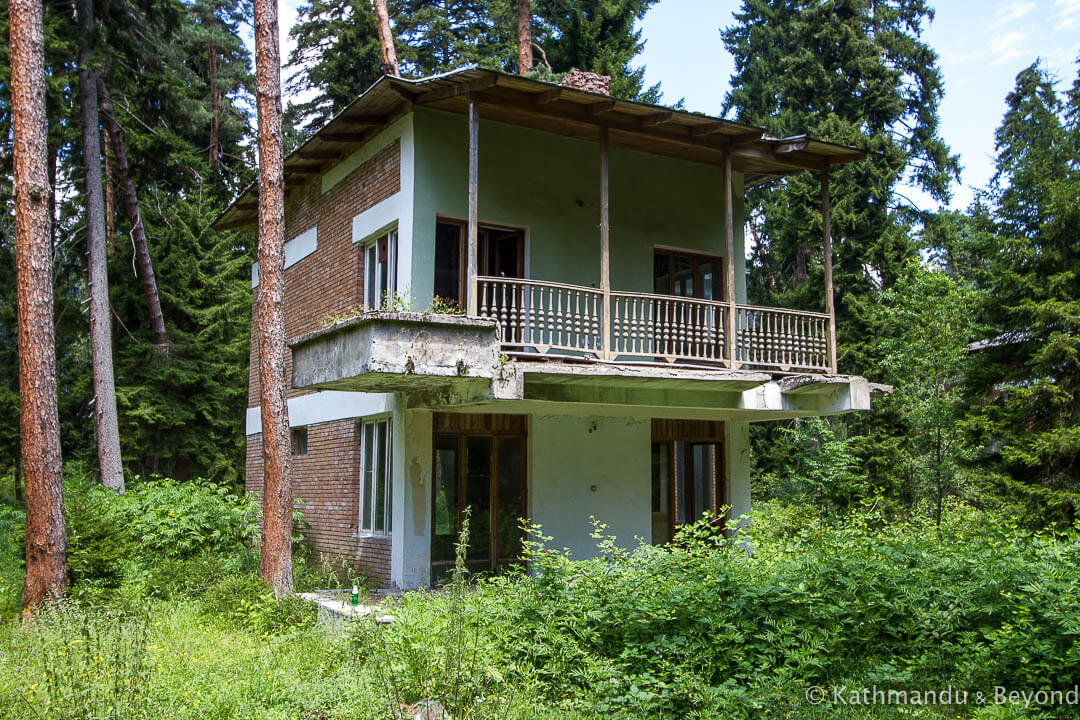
{"points": [[982, 45]]}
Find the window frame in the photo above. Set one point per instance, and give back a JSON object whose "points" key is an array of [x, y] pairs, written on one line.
{"points": [[376, 287], [298, 441], [367, 496]]}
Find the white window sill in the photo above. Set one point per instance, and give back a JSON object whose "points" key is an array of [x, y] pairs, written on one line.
{"points": [[366, 534]]}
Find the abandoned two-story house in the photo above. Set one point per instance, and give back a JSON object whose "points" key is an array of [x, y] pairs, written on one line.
{"points": [[529, 300]]}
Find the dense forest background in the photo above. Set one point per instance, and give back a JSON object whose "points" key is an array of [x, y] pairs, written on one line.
{"points": [[973, 315]]}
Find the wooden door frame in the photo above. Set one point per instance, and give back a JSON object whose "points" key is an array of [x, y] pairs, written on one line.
{"points": [[669, 431], [462, 426], [481, 246], [695, 256]]}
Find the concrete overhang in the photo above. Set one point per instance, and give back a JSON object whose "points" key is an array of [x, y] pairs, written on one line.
{"points": [[453, 362]]}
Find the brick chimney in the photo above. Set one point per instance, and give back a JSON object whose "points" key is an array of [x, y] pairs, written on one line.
{"points": [[588, 81]]}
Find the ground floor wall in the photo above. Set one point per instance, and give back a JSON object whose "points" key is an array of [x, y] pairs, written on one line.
{"points": [[584, 468], [578, 468], [325, 483]]}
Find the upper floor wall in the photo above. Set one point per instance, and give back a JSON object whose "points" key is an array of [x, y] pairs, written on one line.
{"points": [[548, 185]]}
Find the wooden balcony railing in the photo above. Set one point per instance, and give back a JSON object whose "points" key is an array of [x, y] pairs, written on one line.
{"points": [[542, 316]]}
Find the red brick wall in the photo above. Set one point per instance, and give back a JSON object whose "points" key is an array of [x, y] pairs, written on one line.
{"points": [[329, 280], [327, 480]]}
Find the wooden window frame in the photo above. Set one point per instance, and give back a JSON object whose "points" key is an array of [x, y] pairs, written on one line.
{"points": [[697, 432], [382, 247], [298, 437], [695, 257]]}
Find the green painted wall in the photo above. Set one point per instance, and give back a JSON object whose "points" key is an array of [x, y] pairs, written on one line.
{"points": [[550, 185]]}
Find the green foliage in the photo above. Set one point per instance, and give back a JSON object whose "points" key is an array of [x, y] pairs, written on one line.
{"points": [[926, 324], [246, 602], [1025, 244], [94, 664], [813, 461], [178, 414], [857, 73], [337, 55], [174, 520]]}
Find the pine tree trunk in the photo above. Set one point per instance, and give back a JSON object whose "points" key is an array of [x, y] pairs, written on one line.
{"points": [[108, 433], [801, 271], [110, 202], [386, 38], [214, 102], [138, 232], [524, 23], [46, 540], [276, 561]]}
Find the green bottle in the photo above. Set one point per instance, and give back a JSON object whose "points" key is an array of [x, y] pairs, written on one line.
{"points": [[355, 599]]}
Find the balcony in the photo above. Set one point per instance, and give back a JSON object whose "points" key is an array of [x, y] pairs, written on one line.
{"points": [[547, 319]]}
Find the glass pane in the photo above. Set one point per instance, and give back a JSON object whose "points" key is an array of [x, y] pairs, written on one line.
{"points": [[510, 510], [478, 497], [503, 253], [391, 283], [661, 467], [661, 493], [683, 499], [445, 526], [389, 450], [370, 293], [704, 475], [447, 260], [380, 476], [661, 279], [684, 277], [366, 474], [709, 286]]}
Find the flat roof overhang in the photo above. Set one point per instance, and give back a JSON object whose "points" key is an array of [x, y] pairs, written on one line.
{"points": [[455, 363], [551, 108]]}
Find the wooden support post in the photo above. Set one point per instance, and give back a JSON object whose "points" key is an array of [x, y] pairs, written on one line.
{"points": [[826, 231], [474, 194], [605, 248], [729, 262]]}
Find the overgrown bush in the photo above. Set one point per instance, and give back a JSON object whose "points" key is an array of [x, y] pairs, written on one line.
{"points": [[181, 519], [701, 628], [246, 602]]}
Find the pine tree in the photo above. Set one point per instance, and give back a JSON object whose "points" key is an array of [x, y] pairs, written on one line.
{"points": [[275, 564], [853, 72], [1030, 278], [600, 36], [46, 540], [335, 59]]}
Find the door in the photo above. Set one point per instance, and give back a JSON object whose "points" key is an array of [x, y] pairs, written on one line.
{"points": [[691, 330], [687, 474], [500, 253], [479, 469], [687, 275]]}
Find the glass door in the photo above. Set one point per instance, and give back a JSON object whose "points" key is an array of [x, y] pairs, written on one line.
{"points": [[483, 473]]}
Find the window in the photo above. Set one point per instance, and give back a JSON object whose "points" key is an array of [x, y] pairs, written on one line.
{"points": [[380, 270], [376, 479], [299, 441]]}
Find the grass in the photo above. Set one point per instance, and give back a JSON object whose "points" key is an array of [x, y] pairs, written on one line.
{"points": [[696, 631]]}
